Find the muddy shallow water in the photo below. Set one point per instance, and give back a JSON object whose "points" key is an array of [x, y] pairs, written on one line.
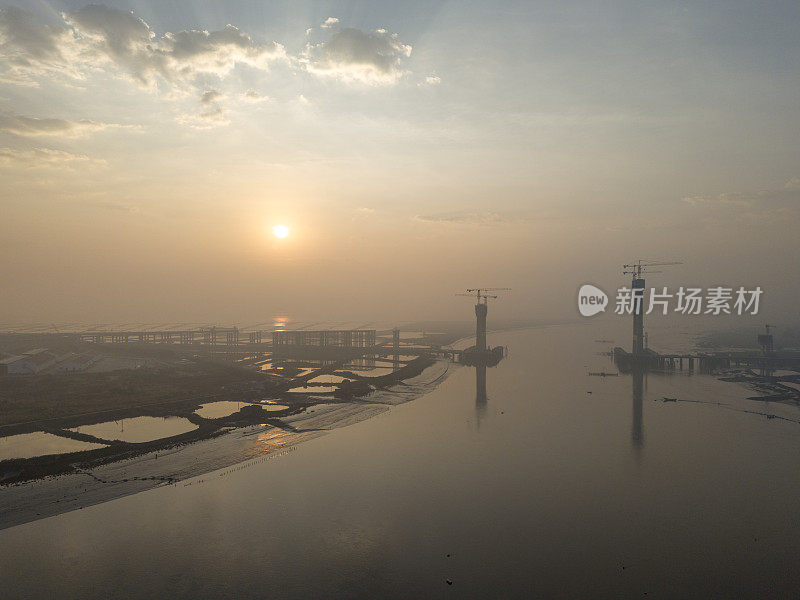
{"points": [[138, 429], [28, 445]]}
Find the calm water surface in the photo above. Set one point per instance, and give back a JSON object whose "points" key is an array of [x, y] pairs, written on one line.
{"points": [[223, 408], [539, 489], [28, 445], [138, 429]]}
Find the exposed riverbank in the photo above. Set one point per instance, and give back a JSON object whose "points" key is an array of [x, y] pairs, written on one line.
{"points": [[32, 399], [72, 481]]}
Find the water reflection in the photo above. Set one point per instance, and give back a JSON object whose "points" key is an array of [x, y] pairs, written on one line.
{"points": [[29, 445], [638, 373], [481, 401], [637, 429], [138, 429]]}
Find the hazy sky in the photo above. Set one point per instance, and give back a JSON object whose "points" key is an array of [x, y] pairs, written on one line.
{"points": [[414, 149]]}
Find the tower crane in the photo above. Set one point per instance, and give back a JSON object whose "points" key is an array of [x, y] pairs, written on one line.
{"points": [[481, 308], [637, 270], [484, 296], [480, 293], [640, 267]]}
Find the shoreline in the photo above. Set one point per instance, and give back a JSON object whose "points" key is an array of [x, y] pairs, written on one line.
{"points": [[52, 495], [16, 470]]}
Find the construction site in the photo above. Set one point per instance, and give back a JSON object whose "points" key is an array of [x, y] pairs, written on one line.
{"points": [[71, 396], [775, 374]]}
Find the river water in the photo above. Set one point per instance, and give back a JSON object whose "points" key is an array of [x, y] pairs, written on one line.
{"points": [[537, 489]]}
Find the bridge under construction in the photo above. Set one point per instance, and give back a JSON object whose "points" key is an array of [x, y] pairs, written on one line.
{"points": [[480, 354], [259, 346], [361, 347]]}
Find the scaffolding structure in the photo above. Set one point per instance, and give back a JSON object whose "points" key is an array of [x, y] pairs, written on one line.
{"points": [[323, 344]]}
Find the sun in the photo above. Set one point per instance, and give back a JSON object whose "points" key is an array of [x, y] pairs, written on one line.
{"points": [[280, 231]]}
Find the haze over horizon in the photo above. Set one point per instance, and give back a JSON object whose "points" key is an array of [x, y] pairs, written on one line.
{"points": [[147, 153]]}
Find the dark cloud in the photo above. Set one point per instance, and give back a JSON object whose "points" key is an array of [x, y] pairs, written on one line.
{"points": [[32, 41], [27, 47], [96, 35], [352, 54], [101, 37], [210, 97], [129, 42]]}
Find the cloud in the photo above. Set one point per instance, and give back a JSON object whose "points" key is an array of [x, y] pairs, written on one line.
{"points": [[98, 37], [102, 39], [127, 41], [21, 32], [212, 116], [27, 47], [787, 196], [32, 126], [39, 158], [353, 55], [792, 184], [772, 205], [472, 218], [254, 96], [210, 97]]}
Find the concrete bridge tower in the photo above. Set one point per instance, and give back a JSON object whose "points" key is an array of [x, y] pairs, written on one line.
{"points": [[638, 316], [480, 326], [636, 271], [481, 309]]}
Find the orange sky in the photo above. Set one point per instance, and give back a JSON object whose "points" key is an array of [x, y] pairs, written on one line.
{"points": [[145, 157]]}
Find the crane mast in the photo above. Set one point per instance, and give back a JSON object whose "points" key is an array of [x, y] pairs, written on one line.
{"points": [[637, 271], [481, 310]]}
